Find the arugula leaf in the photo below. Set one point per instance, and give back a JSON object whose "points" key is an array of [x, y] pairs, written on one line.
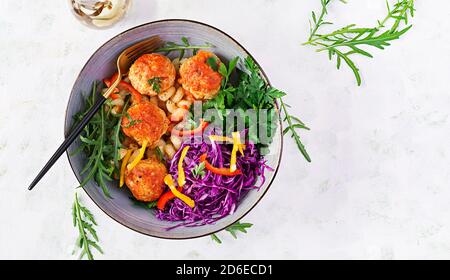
{"points": [[85, 222], [100, 141], [215, 238], [233, 230], [238, 226], [346, 42], [251, 92], [155, 82]]}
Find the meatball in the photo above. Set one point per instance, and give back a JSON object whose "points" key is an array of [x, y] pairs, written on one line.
{"points": [[152, 66], [146, 180], [198, 78], [145, 121]]}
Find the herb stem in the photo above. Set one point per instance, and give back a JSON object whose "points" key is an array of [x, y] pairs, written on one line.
{"points": [[319, 20], [83, 237], [291, 127], [179, 48]]}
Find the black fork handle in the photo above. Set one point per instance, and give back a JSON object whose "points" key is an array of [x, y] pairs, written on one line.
{"points": [[69, 140]]}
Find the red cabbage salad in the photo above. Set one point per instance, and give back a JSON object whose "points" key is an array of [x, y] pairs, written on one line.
{"points": [[215, 196]]}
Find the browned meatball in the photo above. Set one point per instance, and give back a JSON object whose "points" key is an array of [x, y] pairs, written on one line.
{"points": [[198, 78], [146, 180], [148, 122], [152, 66]]}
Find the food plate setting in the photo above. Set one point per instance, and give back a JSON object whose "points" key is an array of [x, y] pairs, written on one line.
{"points": [[188, 142], [197, 130]]}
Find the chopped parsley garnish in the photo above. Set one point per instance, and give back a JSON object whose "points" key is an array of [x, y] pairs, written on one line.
{"points": [[156, 84], [131, 121]]}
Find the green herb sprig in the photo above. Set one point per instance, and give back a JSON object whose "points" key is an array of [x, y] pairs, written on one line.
{"points": [[253, 92], [155, 82], [199, 170], [131, 122], [182, 47], [85, 222], [350, 40], [292, 125], [233, 230], [100, 141]]}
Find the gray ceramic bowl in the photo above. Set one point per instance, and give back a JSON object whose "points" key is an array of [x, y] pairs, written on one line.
{"points": [[101, 65]]}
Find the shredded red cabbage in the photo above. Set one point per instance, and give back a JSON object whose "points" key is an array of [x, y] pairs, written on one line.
{"points": [[215, 196]]}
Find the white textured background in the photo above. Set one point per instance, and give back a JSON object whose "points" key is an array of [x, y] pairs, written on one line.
{"points": [[378, 186]]}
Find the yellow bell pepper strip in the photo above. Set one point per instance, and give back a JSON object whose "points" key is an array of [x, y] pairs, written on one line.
{"points": [[218, 138], [181, 175], [123, 166], [139, 157], [169, 182], [237, 139], [236, 143]]}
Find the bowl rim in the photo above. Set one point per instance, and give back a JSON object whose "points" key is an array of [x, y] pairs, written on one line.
{"points": [[275, 172]]}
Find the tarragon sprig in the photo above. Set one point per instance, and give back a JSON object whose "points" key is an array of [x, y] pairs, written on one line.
{"points": [[350, 40], [85, 222]]}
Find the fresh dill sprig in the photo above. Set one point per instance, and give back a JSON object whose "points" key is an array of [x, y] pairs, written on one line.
{"points": [[233, 230], [85, 222], [350, 40], [182, 47]]}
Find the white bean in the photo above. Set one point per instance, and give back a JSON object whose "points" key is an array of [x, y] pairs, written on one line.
{"points": [[178, 95], [160, 144], [118, 102], [164, 96], [116, 110], [178, 114], [169, 150], [171, 106], [122, 153], [184, 104]]}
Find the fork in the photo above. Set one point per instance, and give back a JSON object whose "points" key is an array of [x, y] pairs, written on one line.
{"points": [[124, 61]]}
